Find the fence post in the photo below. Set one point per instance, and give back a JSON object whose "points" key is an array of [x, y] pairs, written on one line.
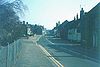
{"points": [[8, 54], [0, 57]]}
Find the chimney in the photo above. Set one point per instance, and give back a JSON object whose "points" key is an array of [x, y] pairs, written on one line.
{"points": [[74, 18], [23, 22], [77, 16], [81, 13]]}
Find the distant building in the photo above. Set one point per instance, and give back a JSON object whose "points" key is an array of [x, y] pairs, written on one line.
{"points": [[63, 30], [29, 32], [39, 30]]}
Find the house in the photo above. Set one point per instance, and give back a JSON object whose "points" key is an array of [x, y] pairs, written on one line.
{"points": [[90, 27], [56, 31], [73, 28], [63, 30]]}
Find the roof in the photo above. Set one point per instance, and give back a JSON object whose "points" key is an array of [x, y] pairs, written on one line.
{"points": [[63, 25], [73, 24]]}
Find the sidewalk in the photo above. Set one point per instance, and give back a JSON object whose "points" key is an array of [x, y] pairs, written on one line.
{"points": [[32, 56]]}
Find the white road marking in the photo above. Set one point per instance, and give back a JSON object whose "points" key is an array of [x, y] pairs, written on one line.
{"points": [[52, 58], [50, 41], [38, 38], [48, 54]]}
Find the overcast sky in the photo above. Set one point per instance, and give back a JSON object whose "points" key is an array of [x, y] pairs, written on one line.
{"points": [[48, 12]]}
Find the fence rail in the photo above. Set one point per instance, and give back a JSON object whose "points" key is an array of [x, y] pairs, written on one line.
{"points": [[9, 53]]}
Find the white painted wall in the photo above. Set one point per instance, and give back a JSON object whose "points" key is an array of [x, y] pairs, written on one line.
{"points": [[74, 35]]}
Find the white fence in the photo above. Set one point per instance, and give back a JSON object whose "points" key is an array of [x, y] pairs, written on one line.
{"points": [[9, 53]]}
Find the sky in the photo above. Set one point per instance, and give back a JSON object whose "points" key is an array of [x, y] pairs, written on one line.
{"points": [[48, 12]]}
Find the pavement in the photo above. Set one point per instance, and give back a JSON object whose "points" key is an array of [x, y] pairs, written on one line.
{"points": [[63, 52], [31, 55]]}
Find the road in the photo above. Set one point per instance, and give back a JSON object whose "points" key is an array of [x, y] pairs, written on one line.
{"points": [[32, 56], [65, 56]]}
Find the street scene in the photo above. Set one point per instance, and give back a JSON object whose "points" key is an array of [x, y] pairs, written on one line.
{"points": [[49, 33]]}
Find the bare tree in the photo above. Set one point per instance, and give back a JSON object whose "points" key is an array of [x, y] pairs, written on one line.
{"points": [[9, 20]]}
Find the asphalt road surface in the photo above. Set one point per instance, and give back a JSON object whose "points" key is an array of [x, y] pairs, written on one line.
{"points": [[66, 57]]}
